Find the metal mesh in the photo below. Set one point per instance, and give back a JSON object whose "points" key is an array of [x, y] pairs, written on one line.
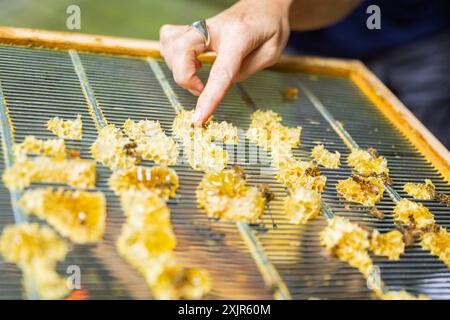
{"points": [[39, 84], [417, 271]]}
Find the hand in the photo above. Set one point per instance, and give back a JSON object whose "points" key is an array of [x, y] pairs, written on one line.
{"points": [[247, 37]]}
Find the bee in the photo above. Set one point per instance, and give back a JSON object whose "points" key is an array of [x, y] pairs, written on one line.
{"points": [[312, 171], [435, 195], [431, 228], [267, 194], [73, 153], [130, 148], [383, 176], [409, 236], [365, 185], [290, 93], [373, 152], [376, 213], [386, 178], [441, 197], [239, 171], [431, 189], [358, 178]]}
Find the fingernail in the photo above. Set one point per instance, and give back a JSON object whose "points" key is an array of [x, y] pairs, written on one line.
{"points": [[197, 115]]}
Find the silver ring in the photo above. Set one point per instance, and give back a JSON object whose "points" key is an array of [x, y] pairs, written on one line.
{"points": [[202, 29]]}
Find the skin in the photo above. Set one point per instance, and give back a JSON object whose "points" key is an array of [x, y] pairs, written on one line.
{"points": [[247, 37]]}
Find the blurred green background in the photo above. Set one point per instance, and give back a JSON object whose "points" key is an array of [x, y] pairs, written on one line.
{"points": [[127, 18]]}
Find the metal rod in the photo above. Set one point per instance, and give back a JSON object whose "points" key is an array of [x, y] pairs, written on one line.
{"points": [[245, 96], [94, 109], [8, 153], [165, 85], [327, 211], [7, 132], [41, 83], [269, 273], [342, 133], [249, 101]]}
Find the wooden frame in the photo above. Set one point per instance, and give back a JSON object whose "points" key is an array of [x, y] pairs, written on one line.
{"points": [[376, 91]]}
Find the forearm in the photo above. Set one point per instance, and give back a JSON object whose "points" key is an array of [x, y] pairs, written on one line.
{"points": [[305, 15], [247, 37]]}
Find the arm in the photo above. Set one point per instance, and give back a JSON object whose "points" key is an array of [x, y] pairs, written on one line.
{"points": [[305, 15], [247, 37]]}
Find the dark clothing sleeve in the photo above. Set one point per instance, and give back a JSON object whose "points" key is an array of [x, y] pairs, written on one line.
{"points": [[410, 53], [419, 74], [402, 21]]}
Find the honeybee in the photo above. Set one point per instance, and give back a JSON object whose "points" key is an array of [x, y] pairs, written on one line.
{"points": [[441, 197], [239, 171], [358, 178], [408, 238], [431, 228], [383, 176], [365, 184], [130, 148], [290, 93], [386, 178], [376, 213], [73, 153], [313, 171], [267, 194], [373, 152], [409, 234]]}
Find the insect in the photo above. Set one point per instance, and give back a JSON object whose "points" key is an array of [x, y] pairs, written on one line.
{"points": [[239, 171], [73, 153], [312, 171], [365, 185], [130, 148], [408, 238], [434, 194], [383, 176], [290, 93], [376, 213], [267, 194], [441, 197], [373, 152], [431, 228], [409, 234], [387, 179]]}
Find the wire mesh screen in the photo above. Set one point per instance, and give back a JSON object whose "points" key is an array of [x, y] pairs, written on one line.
{"points": [[39, 84]]}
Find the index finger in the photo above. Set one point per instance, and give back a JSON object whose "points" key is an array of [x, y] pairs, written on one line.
{"points": [[224, 69]]}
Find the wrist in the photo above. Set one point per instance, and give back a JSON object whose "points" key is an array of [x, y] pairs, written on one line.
{"points": [[285, 4]]}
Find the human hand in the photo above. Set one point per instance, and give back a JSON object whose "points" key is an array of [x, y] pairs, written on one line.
{"points": [[247, 37]]}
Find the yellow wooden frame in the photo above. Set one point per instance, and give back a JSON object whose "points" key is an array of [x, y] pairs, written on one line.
{"points": [[375, 90]]}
